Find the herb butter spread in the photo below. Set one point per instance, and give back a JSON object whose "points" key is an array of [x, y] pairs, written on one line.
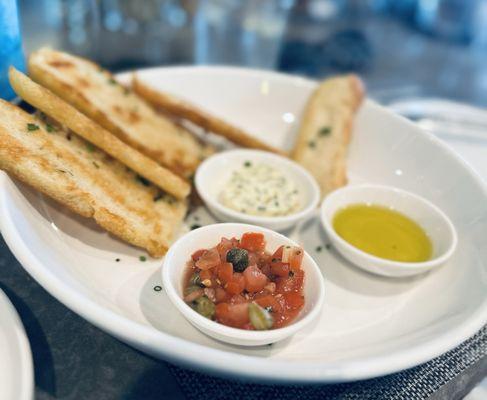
{"points": [[259, 189]]}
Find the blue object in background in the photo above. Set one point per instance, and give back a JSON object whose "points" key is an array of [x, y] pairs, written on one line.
{"points": [[10, 45]]}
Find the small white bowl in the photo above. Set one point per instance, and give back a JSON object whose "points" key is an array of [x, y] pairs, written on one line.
{"points": [[174, 268], [215, 172], [436, 224]]}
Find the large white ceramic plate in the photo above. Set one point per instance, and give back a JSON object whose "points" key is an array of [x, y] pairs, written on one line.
{"points": [[16, 376], [369, 326]]}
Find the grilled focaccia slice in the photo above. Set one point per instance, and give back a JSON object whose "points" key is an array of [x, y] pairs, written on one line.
{"points": [[73, 172], [96, 93], [326, 129], [51, 105]]}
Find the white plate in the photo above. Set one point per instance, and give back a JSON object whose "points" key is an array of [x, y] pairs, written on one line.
{"points": [[369, 326], [16, 376]]}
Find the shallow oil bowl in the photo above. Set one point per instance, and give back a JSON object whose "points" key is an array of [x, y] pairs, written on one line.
{"points": [[174, 269], [214, 172], [436, 224]]}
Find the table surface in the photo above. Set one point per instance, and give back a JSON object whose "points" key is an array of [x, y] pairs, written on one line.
{"points": [[75, 360]]}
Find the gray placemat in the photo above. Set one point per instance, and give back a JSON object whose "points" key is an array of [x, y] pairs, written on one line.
{"points": [[414, 384]]}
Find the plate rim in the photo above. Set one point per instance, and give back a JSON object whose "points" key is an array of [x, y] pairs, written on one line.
{"points": [[178, 350], [26, 390]]}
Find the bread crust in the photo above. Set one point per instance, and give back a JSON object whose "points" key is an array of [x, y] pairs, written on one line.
{"points": [[185, 110]]}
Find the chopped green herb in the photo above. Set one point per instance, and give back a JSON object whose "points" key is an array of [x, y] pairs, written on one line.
{"points": [[158, 196], [195, 226], [126, 91], [247, 164], [142, 258], [64, 172], [157, 288], [50, 128], [32, 127], [261, 208], [328, 246], [319, 249], [324, 131], [112, 81], [311, 144], [142, 180], [96, 164], [89, 147]]}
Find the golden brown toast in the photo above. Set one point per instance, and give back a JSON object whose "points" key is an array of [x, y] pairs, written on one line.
{"points": [[51, 105], [96, 93], [185, 110], [326, 129], [72, 171]]}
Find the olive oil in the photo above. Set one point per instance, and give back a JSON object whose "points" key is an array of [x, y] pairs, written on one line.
{"points": [[383, 232]]}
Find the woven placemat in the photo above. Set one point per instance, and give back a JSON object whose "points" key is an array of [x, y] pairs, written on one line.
{"points": [[414, 384]]}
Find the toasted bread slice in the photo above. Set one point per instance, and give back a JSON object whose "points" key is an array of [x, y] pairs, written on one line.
{"points": [[326, 129], [96, 93], [62, 112], [185, 110], [87, 180]]}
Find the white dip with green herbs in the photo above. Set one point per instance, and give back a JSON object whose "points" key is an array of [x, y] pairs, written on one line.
{"points": [[259, 189]]}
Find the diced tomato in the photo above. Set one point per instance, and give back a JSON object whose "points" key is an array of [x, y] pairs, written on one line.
{"points": [[206, 274], [197, 254], [298, 280], [285, 318], [294, 300], [296, 258], [278, 253], [209, 259], [293, 255], [253, 241], [237, 299], [221, 295], [293, 283], [280, 269], [225, 272], [255, 280], [223, 247], [235, 315], [253, 258], [270, 301], [236, 285], [266, 270]]}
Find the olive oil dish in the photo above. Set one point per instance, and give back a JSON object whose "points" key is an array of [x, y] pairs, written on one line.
{"points": [[388, 231]]}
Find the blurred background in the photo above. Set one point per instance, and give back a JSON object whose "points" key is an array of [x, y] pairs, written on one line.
{"points": [[402, 48]]}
